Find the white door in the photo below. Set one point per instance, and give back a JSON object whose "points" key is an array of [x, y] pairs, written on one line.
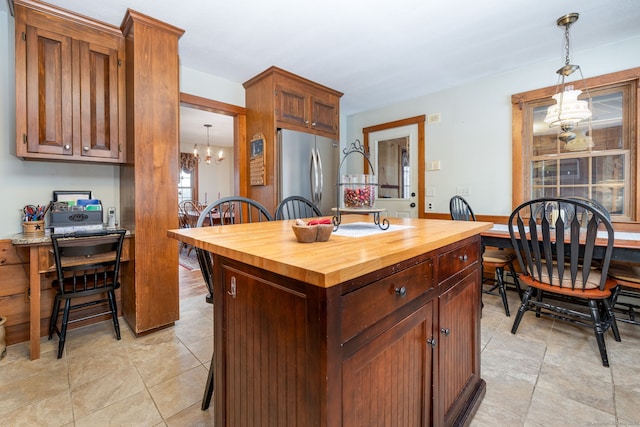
{"points": [[394, 155]]}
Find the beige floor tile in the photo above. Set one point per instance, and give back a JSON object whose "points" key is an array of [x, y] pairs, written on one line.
{"points": [[490, 415], [167, 364], [180, 392], [148, 346], [192, 416], [52, 411], [32, 389], [510, 393], [203, 350], [552, 409], [137, 410], [17, 366], [628, 405], [106, 390], [590, 390], [90, 365]]}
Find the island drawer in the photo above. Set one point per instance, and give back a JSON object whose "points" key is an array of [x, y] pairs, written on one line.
{"points": [[365, 306], [454, 261]]}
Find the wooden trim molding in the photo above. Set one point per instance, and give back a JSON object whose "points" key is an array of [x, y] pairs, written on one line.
{"points": [[240, 150], [417, 120], [520, 123]]}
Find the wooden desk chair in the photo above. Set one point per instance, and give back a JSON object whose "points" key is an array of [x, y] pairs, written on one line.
{"points": [[294, 207], [226, 211], [86, 265], [460, 210], [557, 258]]}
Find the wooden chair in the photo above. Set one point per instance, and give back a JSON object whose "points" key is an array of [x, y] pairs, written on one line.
{"points": [[226, 211], [86, 265], [627, 275], [189, 211], [558, 259], [294, 207], [492, 258]]}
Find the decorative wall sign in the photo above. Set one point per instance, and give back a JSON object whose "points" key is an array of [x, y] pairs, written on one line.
{"points": [[257, 171]]}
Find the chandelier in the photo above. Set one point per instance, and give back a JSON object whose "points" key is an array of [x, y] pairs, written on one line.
{"points": [[568, 110]]}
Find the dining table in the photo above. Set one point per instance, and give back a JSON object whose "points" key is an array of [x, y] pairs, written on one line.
{"points": [[626, 244]]}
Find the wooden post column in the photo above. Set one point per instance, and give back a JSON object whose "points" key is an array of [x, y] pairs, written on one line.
{"points": [[149, 179]]}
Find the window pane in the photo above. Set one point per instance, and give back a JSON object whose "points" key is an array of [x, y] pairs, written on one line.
{"points": [[609, 169], [574, 171], [544, 172]]}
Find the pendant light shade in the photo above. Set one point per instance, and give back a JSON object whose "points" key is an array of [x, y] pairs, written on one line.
{"points": [[568, 110]]}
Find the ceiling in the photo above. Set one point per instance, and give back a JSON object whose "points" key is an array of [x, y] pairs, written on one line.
{"points": [[377, 52]]}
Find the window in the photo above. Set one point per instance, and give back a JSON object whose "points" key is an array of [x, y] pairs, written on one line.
{"points": [[546, 166], [188, 180]]}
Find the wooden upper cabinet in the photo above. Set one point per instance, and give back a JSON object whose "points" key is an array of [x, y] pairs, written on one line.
{"points": [[69, 86], [297, 103], [297, 106]]}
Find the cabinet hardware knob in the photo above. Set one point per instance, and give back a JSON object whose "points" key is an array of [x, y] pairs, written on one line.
{"points": [[232, 290], [85, 148], [66, 146], [313, 123], [413, 205], [402, 291], [463, 257], [432, 342], [445, 331]]}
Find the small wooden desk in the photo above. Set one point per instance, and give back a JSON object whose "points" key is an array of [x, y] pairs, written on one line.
{"points": [[41, 261], [626, 245]]}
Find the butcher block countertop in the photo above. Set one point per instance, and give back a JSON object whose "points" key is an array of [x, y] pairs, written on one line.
{"points": [[272, 245]]}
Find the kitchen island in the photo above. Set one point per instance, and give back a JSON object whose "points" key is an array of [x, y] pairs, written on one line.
{"points": [[378, 329]]}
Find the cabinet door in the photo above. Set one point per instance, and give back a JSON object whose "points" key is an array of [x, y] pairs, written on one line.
{"points": [[98, 101], [48, 91], [458, 346], [266, 338], [388, 381], [324, 115], [291, 106]]}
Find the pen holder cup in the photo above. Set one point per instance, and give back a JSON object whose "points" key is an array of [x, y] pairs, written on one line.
{"points": [[33, 228]]}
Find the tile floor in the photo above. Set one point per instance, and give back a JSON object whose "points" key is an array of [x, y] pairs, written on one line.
{"points": [[549, 374]]}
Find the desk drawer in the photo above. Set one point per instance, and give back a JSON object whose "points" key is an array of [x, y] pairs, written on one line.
{"points": [[456, 260], [365, 306]]}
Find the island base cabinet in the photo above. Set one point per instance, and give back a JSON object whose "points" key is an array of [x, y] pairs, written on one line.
{"points": [[458, 341], [288, 353], [388, 382]]}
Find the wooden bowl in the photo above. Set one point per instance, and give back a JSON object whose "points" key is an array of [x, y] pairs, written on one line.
{"points": [[324, 232], [312, 233], [305, 233]]}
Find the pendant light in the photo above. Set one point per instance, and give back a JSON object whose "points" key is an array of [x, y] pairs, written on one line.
{"points": [[568, 110], [207, 158]]}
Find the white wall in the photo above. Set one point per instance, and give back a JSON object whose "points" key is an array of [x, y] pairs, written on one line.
{"points": [[473, 139]]}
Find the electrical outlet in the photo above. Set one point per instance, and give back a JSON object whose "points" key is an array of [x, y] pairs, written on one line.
{"points": [[429, 206]]}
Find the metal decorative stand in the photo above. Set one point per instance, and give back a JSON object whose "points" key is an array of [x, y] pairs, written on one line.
{"points": [[356, 147]]}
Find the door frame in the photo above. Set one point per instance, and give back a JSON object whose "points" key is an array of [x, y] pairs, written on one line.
{"points": [[240, 149], [417, 120]]}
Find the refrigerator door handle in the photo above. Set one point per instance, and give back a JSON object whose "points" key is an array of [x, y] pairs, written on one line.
{"points": [[313, 175], [320, 177]]}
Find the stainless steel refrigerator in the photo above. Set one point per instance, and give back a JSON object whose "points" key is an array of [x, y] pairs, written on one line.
{"points": [[308, 167]]}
